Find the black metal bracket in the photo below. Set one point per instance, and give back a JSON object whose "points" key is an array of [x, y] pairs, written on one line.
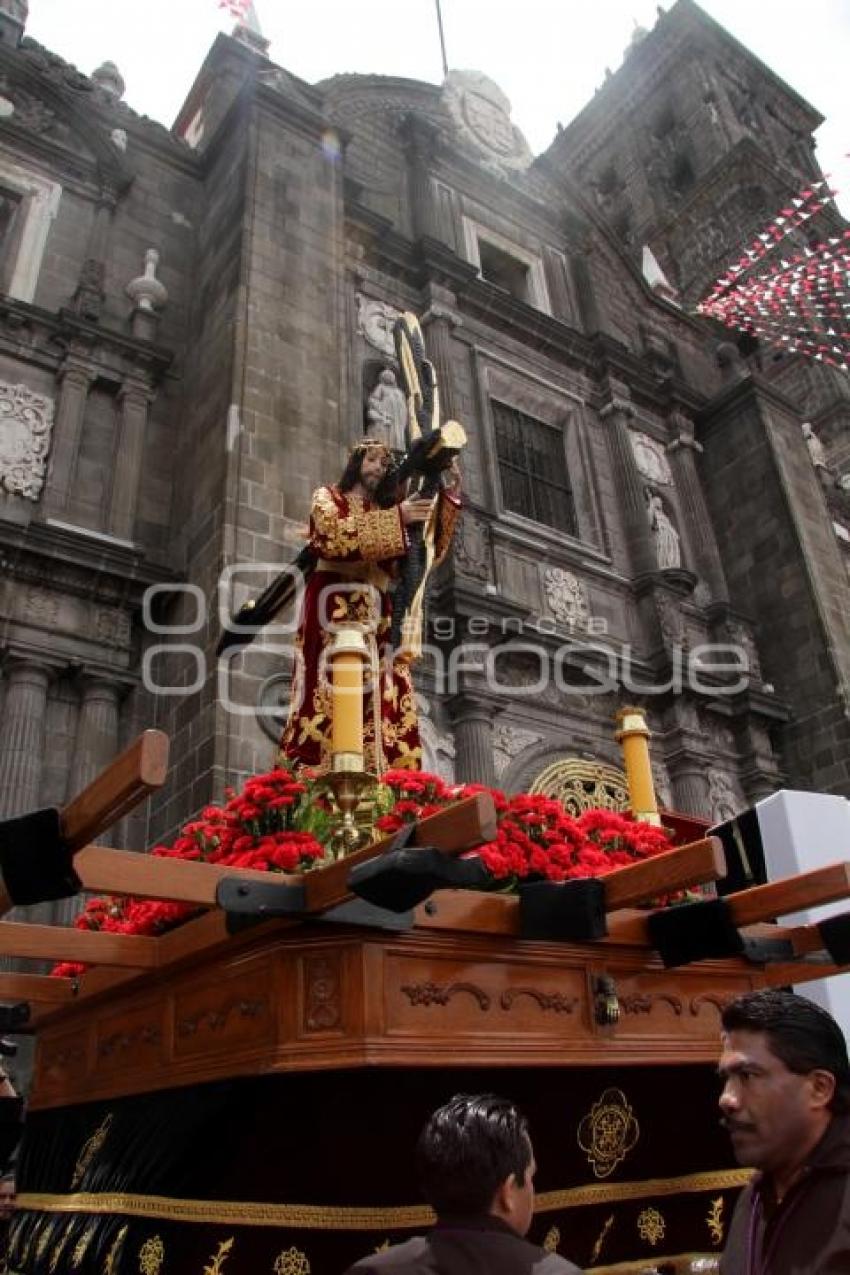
{"points": [[260, 900]]}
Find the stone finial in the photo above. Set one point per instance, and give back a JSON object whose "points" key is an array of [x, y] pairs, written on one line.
{"points": [[146, 291], [109, 78], [13, 20]]}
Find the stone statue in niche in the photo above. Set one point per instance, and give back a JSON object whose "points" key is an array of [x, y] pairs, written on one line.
{"points": [[817, 453], [386, 411], [667, 548]]}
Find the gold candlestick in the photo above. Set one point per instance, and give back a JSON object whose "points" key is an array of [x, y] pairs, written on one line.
{"points": [[633, 736], [347, 780]]}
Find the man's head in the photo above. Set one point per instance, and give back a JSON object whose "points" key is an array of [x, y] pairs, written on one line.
{"points": [[367, 464], [7, 1197], [474, 1157], [785, 1071]]}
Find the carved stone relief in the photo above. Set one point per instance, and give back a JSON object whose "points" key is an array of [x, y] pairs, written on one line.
{"points": [[375, 321], [112, 626], [566, 597], [741, 636], [482, 115], [438, 751], [26, 425], [670, 620], [509, 742], [471, 548], [724, 801], [651, 459], [41, 607]]}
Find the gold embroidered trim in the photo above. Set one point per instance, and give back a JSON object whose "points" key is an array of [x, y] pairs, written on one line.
{"points": [[640, 1264], [319, 1217], [361, 534]]}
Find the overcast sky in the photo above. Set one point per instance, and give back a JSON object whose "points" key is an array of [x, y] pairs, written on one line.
{"points": [[547, 55]]}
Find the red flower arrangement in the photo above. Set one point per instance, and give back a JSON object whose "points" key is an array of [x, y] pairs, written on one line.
{"points": [[280, 824]]}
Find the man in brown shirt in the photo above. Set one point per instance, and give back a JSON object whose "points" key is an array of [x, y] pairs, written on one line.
{"points": [[785, 1103], [476, 1166]]}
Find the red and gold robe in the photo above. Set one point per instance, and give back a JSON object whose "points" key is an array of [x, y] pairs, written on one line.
{"points": [[356, 543]]}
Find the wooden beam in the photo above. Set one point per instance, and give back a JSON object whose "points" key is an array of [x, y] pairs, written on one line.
{"points": [[64, 943], [639, 882], [135, 773], [791, 894], [40, 989], [145, 876], [459, 827]]}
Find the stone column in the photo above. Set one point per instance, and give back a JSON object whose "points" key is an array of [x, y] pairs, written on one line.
{"points": [[472, 719], [95, 746], [96, 740], [439, 323], [23, 735], [689, 774], [134, 397], [420, 139], [684, 450], [75, 378], [630, 486]]}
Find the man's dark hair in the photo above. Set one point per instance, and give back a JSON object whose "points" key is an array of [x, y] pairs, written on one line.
{"points": [[467, 1150], [801, 1035]]}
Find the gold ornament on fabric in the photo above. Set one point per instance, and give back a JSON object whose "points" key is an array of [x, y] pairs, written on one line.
{"points": [[608, 1132], [714, 1221], [597, 1248], [56, 1251], [291, 1262], [651, 1226], [552, 1240], [82, 1244], [151, 1256], [89, 1150], [110, 1266], [216, 1264]]}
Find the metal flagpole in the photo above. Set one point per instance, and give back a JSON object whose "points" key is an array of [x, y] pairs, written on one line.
{"points": [[442, 38]]}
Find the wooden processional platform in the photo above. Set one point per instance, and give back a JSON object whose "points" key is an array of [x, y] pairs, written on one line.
{"points": [[243, 1094]]}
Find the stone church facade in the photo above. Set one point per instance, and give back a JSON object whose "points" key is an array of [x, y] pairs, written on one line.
{"points": [[194, 325]]}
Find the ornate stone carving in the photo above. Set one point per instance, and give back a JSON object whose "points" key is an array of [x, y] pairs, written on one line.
{"points": [[471, 548], [375, 321], [386, 411], [41, 607], [26, 425], [670, 620], [742, 636], [508, 742], [566, 597], [724, 802], [663, 787], [482, 115], [112, 626], [438, 751], [651, 459], [667, 548]]}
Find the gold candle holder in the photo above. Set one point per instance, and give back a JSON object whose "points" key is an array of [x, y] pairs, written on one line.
{"points": [[633, 736], [352, 787]]}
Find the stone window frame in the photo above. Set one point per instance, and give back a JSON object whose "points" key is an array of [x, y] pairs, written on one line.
{"points": [[503, 380], [474, 232], [554, 434], [39, 205]]}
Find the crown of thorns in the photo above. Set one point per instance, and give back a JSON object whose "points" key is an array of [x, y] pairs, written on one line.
{"points": [[370, 445]]}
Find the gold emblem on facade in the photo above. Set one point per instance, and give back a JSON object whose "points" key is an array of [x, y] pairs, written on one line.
{"points": [[608, 1133], [291, 1262], [552, 1240], [216, 1265], [151, 1256], [714, 1221], [651, 1226], [90, 1149]]}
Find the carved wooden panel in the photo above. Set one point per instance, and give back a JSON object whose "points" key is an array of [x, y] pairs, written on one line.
{"points": [[682, 1003], [62, 1060], [219, 1017], [129, 1041], [322, 993]]}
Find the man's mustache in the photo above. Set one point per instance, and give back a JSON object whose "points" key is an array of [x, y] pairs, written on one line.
{"points": [[737, 1126]]}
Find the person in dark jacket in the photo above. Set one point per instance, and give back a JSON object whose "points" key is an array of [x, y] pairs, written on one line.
{"points": [[786, 1105], [476, 1166]]}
